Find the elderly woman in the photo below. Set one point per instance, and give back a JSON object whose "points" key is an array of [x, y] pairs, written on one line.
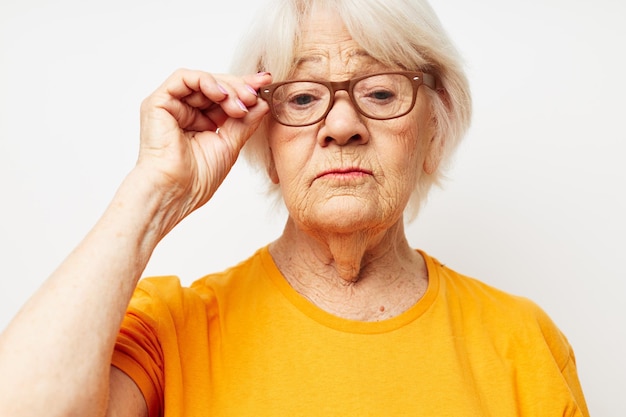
{"points": [[365, 103]]}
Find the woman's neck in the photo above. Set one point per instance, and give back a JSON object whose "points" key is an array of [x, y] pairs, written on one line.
{"points": [[366, 275]]}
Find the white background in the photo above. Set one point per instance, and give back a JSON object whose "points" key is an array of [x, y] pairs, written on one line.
{"points": [[535, 203]]}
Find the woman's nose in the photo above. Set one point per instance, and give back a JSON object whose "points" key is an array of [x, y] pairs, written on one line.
{"points": [[343, 124]]}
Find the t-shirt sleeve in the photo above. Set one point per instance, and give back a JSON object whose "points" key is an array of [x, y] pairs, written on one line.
{"points": [[138, 351], [563, 355]]}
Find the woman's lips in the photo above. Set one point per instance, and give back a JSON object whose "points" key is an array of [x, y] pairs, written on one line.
{"points": [[339, 173]]}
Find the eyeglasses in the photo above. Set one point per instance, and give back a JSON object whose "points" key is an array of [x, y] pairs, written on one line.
{"points": [[379, 96]]}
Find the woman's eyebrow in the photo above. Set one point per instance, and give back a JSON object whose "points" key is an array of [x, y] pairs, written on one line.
{"points": [[317, 57], [306, 59]]}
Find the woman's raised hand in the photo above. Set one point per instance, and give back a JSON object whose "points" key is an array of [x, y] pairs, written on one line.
{"points": [[182, 161], [192, 129]]}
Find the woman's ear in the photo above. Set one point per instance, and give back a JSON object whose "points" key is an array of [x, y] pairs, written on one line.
{"points": [[434, 154], [271, 169], [437, 142], [434, 150]]}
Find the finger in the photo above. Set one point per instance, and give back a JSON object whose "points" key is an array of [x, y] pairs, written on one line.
{"points": [[188, 117], [246, 87], [184, 83], [238, 131], [242, 91], [238, 96], [198, 100], [216, 114], [258, 80], [201, 101]]}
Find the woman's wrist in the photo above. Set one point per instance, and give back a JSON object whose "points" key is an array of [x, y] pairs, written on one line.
{"points": [[145, 210]]}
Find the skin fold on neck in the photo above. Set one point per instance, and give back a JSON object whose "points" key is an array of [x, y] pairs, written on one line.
{"points": [[366, 275]]}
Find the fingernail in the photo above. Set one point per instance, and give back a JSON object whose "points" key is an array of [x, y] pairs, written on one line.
{"points": [[222, 89], [241, 105], [250, 89]]}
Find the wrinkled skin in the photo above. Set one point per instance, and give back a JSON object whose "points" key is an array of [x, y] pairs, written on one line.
{"points": [[347, 179]]}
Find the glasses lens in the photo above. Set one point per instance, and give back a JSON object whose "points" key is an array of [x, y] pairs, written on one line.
{"points": [[384, 96], [300, 103]]}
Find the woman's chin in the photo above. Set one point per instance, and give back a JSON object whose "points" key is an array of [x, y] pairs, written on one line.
{"points": [[346, 215]]}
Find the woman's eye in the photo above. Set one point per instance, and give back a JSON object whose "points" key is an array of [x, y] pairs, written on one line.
{"points": [[381, 95], [302, 99]]}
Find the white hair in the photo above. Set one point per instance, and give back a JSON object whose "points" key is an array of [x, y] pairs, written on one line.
{"points": [[404, 33]]}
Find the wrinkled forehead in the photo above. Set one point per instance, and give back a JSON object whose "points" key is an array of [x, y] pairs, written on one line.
{"points": [[325, 47], [335, 65]]}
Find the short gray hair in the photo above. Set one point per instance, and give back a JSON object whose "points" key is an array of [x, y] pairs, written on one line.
{"points": [[395, 32]]}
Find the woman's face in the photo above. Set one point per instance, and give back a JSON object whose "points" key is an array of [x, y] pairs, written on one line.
{"points": [[347, 173]]}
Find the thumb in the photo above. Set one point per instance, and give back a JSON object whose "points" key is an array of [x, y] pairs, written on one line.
{"points": [[238, 131]]}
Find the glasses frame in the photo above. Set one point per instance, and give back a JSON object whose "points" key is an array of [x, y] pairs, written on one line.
{"points": [[417, 78]]}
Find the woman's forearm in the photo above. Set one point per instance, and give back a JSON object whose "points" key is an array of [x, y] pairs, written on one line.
{"points": [[55, 355]]}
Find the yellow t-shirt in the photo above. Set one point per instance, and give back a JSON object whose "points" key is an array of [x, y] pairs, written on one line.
{"points": [[244, 343]]}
